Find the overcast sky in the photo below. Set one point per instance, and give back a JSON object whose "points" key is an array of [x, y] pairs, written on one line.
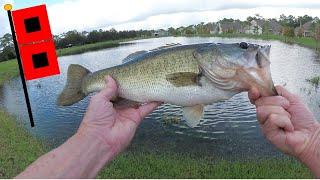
{"points": [[87, 15]]}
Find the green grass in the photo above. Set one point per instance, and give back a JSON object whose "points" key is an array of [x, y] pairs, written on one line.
{"points": [[8, 70], [93, 47], [150, 165], [315, 81], [17, 148], [87, 47]]}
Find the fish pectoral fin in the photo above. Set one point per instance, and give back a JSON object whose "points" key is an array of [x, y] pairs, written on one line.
{"points": [[120, 103], [193, 115], [183, 79]]}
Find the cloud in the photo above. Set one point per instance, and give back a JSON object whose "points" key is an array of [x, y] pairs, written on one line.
{"points": [[153, 14]]}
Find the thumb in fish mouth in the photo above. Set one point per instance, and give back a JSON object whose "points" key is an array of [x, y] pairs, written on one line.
{"points": [[254, 94]]}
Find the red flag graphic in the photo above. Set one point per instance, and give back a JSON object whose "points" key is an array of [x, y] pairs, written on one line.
{"points": [[35, 42]]}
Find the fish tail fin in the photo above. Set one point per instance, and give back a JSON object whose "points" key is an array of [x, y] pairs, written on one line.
{"points": [[72, 91]]}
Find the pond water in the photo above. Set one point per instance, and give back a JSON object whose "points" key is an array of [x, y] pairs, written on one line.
{"points": [[229, 129]]}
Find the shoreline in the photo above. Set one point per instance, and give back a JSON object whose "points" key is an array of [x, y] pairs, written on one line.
{"points": [[303, 41], [25, 150]]}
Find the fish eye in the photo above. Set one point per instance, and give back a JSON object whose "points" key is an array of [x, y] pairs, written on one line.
{"points": [[243, 45]]}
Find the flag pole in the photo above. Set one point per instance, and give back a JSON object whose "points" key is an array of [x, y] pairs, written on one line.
{"points": [[8, 8]]}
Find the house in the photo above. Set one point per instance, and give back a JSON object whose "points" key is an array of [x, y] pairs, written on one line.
{"points": [[304, 30], [259, 26], [161, 33], [255, 27], [274, 27], [214, 28], [230, 27]]}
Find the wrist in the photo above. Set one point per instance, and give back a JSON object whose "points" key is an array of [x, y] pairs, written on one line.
{"points": [[311, 154], [91, 135]]}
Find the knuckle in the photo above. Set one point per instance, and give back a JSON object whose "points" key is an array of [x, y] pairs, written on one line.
{"points": [[282, 110], [108, 104], [273, 118], [265, 131]]}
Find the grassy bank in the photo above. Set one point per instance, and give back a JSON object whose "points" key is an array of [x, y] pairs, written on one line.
{"points": [[87, 47], [150, 165], [8, 70], [93, 47], [17, 148]]}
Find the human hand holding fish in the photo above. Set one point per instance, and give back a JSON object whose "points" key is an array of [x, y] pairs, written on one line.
{"points": [[115, 127], [288, 124], [103, 133]]}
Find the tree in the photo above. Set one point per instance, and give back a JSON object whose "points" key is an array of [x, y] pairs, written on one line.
{"points": [[257, 16], [317, 35], [7, 53], [289, 21], [172, 31], [94, 36], [256, 30], [6, 41], [300, 32], [288, 33], [266, 27], [7, 48], [226, 20], [303, 19]]}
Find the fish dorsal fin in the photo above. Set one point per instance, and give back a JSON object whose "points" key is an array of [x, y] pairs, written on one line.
{"points": [[193, 115], [166, 46], [180, 79], [137, 54], [134, 55]]}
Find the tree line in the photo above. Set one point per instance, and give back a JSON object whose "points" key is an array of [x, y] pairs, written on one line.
{"points": [[74, 38]]}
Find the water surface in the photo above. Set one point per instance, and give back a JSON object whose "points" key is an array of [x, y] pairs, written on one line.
{"points": [[229, 129]]}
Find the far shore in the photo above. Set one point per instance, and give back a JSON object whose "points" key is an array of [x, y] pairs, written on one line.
{"points": [[302, 41]]}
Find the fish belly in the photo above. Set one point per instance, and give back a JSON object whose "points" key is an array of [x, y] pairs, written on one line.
{"points": [[182, 96]]}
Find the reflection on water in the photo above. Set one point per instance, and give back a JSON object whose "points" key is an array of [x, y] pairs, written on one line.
{"points": [[228, 128]]}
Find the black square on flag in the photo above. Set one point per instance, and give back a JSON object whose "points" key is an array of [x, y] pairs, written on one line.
{"points": [[40, 60], [32, 24]]}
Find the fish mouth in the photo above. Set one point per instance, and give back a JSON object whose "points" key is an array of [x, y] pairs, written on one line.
{"points": [[260, 78], [259, 74]]}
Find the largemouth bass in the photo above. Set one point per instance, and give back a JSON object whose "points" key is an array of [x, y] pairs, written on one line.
{"points": [[191, 76]]}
